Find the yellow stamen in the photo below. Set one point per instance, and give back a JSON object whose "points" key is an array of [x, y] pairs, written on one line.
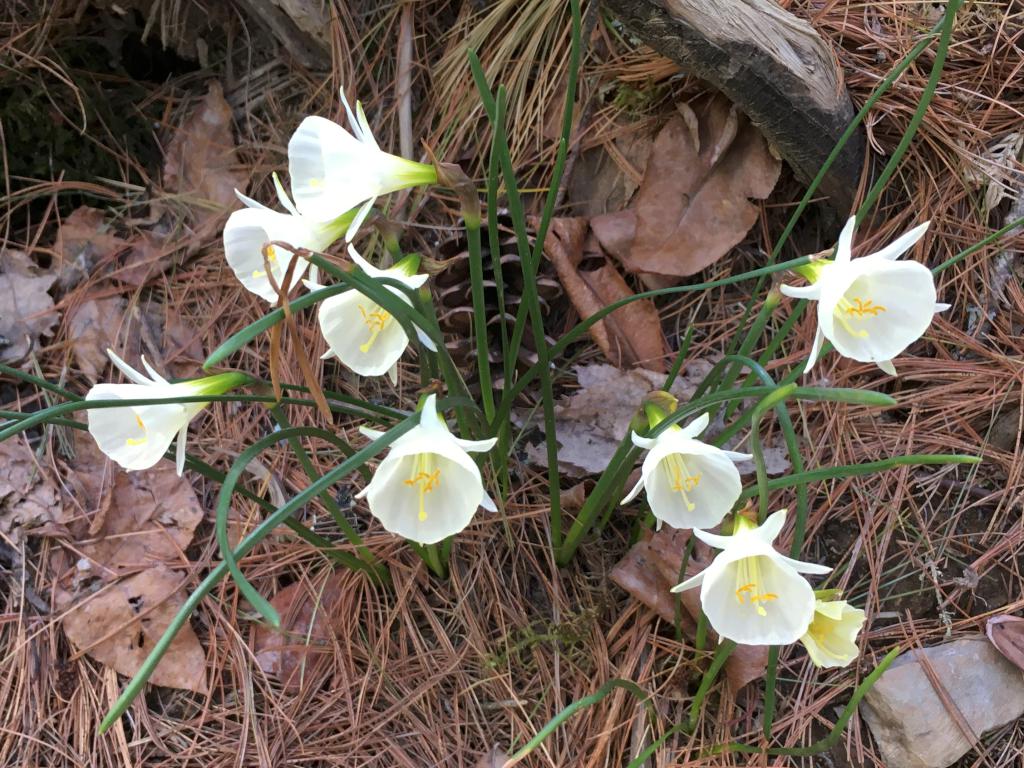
{"points": [[424, 480], [375, 320], [681, 479], [137, 440], [859, 309], [271, 257], [748, 575]]}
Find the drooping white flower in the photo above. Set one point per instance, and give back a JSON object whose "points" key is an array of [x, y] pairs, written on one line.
{"points": [[689, 484], [333, 171], [751, 593], [137, 436], [831, 640], [871, 308], [252, 229], [363, 335], [427, 488]]}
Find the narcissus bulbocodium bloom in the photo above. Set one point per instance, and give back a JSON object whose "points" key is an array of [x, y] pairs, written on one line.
{"points": [[689, 484], [831, 640], [137, 436], [333, 170], [751, 593], [871, 308], [427, 488], [359, 332], [251, 230]]}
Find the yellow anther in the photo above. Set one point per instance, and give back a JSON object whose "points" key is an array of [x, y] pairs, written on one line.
{"points": [[741, 592], [375, 320], [271, 257], [137, 440], [864, 308], [859, 309], [682, 482], [425, 482]]}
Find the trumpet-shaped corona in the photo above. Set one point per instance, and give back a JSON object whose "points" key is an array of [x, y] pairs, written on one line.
{"points": [[333, 171], [831, 640], [252, 231], [689, 484], [871, 308], [751, 593], [427, 488], [137, 436], [362, 334]]}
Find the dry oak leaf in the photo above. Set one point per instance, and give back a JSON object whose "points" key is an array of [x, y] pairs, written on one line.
{"points": [[1006, 633], [28, 498], [694, 202], [84, 241], [628, 336], [94, 327], [651, 568], [124, 521], [302, 649], [119, 625], [26, 307], [200, 162]]}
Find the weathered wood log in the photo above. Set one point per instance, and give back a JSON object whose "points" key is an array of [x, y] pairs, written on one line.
{"points": [[773, 66]]}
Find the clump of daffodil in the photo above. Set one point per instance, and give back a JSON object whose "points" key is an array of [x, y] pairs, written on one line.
{"points": [[751, 593], [137, 436], [689, 484], [333, 171], [253, 231], [362, 334], [871, 308], [831, 640], [427, 488]]}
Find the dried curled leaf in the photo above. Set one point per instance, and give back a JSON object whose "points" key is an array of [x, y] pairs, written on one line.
{"points": [[1007, 634], [26, 307], [28, 498]]}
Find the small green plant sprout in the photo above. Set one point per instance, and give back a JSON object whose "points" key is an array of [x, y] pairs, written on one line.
{"points": [[427, 488], [871, 308], [138, 435]]}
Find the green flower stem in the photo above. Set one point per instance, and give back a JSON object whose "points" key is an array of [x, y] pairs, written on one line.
{"points": [[476, 281], [632, 688], [978, 246], [244, 547], [42, 383], [725, 648], [769, 691]]}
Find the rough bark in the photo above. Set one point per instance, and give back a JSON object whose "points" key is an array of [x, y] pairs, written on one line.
{"points": [[772, 65]]}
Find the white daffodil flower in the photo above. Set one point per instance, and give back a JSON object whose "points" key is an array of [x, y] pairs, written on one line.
{"points": [[831, 640], [427, 488], [252, 229], [362, 334], [137, 436], [751, 593], [333, 171], [871, 308], [689, 484]]}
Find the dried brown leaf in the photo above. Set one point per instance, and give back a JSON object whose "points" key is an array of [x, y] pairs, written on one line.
{"points": [[310, 621], [84, 241], [28, 498], [93, 327], [124, 521], [694, 202], [1007, 634], [119, 626], [651, 568], [496, 758], [630, 335], [200, 163], [26, 307], [605, 177]]}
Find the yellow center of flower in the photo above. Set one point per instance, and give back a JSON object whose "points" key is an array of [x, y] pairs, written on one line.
{"points": [[271, 257], [424, 479], [858, 309], [821, 634], [316, 182], [137, 440], [748, 575], [680, 478], [375, 320]]}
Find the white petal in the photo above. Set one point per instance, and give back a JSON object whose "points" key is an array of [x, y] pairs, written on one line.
{"points": [[179, 457], [647, 443], [696, 426], [429, 417], [713, 539], [153, 373], [488, 503], [819, 339], [364, 265], [475, 446], [801, 292], [360, 217], [770, 529], [844, 247], [248, 231], [248, 202], [373, 434], [690, 583], [425, 340], [329, 168], [900, 245], [393, 374], [694, 486], [363, 336], [633, 493], [130, 373], [136, 437], [282, 196], [364, 127], [940, 307], [886, 366], [801, 567]]}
